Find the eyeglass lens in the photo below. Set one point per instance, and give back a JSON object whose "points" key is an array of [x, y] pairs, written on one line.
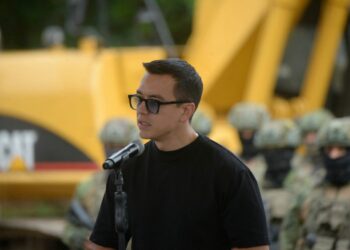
{"points": [[151, 105]]}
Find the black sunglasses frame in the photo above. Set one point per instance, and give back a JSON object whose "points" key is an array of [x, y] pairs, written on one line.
{"points": [[154, 101]]}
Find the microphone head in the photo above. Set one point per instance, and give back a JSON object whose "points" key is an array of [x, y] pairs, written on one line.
{"points": [[133, 149], [140, 147]]}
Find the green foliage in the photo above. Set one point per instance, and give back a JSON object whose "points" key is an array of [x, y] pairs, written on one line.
{"points": [[178, 14], [22, 22]]}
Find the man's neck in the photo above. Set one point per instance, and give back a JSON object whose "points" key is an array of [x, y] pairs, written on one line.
{"points": [[177, 141]]}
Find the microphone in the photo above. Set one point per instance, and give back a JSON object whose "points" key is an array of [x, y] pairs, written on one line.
{"points": [[131, 150]]}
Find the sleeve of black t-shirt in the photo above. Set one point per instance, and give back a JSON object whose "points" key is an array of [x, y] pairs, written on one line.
{"points": [[104, 233], [242, 210]]}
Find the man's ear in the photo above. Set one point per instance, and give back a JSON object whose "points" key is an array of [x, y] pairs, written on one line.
{"points": [[188, 111]]}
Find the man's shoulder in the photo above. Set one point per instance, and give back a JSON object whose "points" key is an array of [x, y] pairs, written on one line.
{"points": [[214, 147], [220, 154]]}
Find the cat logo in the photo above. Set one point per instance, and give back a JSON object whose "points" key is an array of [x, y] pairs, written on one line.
{"points": [[17, 150]]}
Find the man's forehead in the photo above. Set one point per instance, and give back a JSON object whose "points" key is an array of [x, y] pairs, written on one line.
{"points": [[154, 85]]}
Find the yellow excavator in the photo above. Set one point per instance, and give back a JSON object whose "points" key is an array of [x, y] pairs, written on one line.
{"points": [[53, 101]]}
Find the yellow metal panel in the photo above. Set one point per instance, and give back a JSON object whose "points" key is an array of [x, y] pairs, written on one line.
{"points": [[107, 88], [214, 46], [40, 185], [204, 13], [52, 90], [230, 83], [271, 45]]}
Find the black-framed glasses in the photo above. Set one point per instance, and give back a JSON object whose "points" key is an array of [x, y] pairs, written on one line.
{"points": [[152, 105]]}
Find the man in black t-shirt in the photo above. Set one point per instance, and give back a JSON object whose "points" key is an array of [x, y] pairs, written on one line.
{"points": [[184, 191]]}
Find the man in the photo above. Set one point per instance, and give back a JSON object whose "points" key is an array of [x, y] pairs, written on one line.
{"points": [[320, 220], [309, 162], [309, 124], [115, 134], [277, 140], [184, 191]]}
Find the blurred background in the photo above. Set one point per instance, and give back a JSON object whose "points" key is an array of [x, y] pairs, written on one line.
{"points": [[66, 67]]}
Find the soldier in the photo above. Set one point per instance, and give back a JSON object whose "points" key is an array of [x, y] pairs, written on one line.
{"points": [[308, 170], [85, 205], [247, 118], [309, 125], [202, 122], [277, 140], [321, 220]]}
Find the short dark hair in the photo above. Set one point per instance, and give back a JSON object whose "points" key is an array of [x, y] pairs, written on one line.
{"points": [[189, 84]]}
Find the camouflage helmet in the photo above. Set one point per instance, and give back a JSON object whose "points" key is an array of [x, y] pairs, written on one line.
{"points": [[336, 132], [202, 122], [245, 115], [278, 134], [119, 131], [312, 122]]}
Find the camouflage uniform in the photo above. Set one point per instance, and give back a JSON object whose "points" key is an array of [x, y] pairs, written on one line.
{"points": [[247, 118], [277, 141], [320, 220], [85, 205], [201, 122]]}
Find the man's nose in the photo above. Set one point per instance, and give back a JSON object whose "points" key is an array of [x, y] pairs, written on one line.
{"points": [[141, 108], [335, 153]]}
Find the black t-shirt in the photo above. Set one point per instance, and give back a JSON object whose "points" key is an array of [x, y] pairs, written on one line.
{"points": [[198, 197]]}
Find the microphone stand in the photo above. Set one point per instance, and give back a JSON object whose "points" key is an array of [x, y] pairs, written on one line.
{"points": [[120, 202], [120, 197]]}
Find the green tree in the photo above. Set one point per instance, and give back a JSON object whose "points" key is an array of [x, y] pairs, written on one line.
{"points": [[22, 22]]}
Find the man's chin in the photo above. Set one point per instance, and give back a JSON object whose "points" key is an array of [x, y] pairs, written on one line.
{"points": [[146, 136]]}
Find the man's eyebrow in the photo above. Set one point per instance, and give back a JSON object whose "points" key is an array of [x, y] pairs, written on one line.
{"points": [[150, 96]]}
